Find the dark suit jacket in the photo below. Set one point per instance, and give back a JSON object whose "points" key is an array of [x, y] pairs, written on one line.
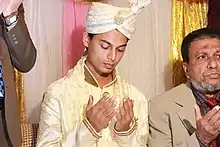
{"points": [[20, 46], [21, 54]]}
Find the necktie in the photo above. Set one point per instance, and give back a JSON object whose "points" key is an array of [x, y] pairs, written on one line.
{"points": [[212, 102], [2, 92], [1, 82]]}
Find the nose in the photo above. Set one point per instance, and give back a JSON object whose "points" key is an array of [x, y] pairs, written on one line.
{"points": [[212, 64], [112, 54]]}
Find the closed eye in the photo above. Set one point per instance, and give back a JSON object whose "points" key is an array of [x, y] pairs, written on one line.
{"points": [[121, 49], [105, 46]]}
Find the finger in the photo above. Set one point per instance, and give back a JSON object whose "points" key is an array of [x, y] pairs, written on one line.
{"points": [[197, 112], [105, 97], [118, 115], [108, 103], [90, 103], [132, 102], [211, 113], [213, 121], [107, 110], [109, 100], [104, 110], [111, 115], [216, 125], [215, 128], [128, 109], [122, 111], [126, 105], [131, 112]]}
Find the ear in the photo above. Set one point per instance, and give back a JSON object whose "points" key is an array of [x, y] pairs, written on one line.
{"points": [[86, 39], [186, 68]]}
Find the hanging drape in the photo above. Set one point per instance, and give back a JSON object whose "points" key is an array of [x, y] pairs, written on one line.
{"points": [[187, 16]]}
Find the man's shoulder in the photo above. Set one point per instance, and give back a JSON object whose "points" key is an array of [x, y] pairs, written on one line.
{"points": [[61, 85], [58, 84], [170, 95]]}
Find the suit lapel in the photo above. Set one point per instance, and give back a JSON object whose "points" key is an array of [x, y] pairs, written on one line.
{"points": [[186, 114]]}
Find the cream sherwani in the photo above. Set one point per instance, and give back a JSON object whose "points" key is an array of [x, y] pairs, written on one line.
{"points": [[63, 112]]}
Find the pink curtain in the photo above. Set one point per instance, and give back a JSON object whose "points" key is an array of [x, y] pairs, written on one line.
{"points": [[73, 28]]}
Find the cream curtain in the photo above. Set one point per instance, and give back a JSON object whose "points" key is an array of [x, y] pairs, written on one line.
{"points": [[43, 18], [145, 65]]}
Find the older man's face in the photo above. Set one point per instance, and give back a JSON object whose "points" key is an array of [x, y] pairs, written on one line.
{"points": [[204, 63]]}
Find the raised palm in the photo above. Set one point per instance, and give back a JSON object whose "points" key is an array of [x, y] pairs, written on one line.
{"points": [[3, 5], [13, 6]]}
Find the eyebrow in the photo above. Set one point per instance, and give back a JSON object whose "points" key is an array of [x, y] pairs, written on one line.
{"points": [[205, 53], [105, 41], [200, 53], [217, 52]]}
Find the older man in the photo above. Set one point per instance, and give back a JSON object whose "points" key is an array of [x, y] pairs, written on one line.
{"points": [[187, 115], [16, 50]]}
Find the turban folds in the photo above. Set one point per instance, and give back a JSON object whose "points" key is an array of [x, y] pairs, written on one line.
{"points": [[103, 17]]}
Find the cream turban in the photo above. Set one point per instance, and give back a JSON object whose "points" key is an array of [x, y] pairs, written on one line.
{"points": [[102, 17], [3, 5]]}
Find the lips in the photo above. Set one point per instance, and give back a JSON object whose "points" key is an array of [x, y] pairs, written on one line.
{"points": [[109, 65], [213, 75]]}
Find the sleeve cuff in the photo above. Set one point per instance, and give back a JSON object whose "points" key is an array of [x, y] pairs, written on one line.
{"points": [[91, 129], [8, 28], [128, 132]]}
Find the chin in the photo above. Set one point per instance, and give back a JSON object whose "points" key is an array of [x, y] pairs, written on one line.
{"points": [[213, 81], [206, 86], [107, 71], [104, 71]]}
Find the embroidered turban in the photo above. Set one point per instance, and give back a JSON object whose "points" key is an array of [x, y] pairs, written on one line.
{"points": [[103, 17]]}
